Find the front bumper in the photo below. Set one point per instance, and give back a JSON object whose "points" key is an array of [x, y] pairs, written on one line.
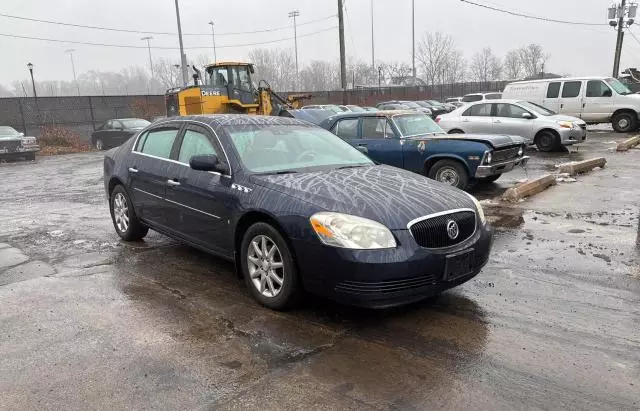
{"points": [[22, 149], [495, 169], [570, 136], [385, 278]]}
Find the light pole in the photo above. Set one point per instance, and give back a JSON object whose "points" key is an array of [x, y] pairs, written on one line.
{"points": [[73, 68], [373, 56], [622, 16], [294, 14], [213, 39], [33, 83], [413, 39], [183, 57], [147, 38]]}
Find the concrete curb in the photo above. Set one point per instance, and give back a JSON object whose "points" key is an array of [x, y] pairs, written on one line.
{"points": [[529, 188], [577, 167], [628, 143]]}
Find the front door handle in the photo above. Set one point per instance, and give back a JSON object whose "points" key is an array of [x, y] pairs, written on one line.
{"points": [[173, 183], [133, 170], [497, 121], [584, 104], [561, 105]]}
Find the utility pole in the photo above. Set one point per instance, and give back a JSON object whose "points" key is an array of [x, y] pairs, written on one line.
{"points": [[373, 56], [149, 48], [33, 83], [621, 16], [183, 57], [73, 68], [413, 39], [294, 14], [213, 39], [343, 59]]}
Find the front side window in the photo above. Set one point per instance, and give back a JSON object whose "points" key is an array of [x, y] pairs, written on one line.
{"points": [[416, 124], [158, 143], [510, 110], [479, 110], [571, 89], [194, 144], [597, 88], [218, 77], [538, 109], [240, 77], [276, 148], [347, 128], [553, 91], [377, 128]]}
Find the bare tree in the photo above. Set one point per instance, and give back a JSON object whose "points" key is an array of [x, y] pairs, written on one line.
{"points": [[433, 54], [485, 66], [456, 68], [166, 72], [319, 75], [276, 66], [4, 92], [512, 66], [397, 72], [532, 58]]}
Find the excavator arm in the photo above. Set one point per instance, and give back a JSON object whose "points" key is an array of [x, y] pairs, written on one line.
{"points": [[266, 97]]}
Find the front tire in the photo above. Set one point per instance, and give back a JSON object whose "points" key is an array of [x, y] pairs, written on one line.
{"points": [[268, 267], [450, 172], [99, 144], [547, 141], [624, 122], [123, 216]]}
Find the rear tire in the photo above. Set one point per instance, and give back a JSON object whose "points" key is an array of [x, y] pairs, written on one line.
{"points": [[456, 131], [123, 216], [547, 141], [450, 172], [268, 267], [624, 122]]}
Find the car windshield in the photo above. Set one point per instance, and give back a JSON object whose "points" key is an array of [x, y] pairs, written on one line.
{"points": [[493, 96], [434, 102], [135, 123], [423, 104], [289, 148], [472, 97], [333, 108], [8, 132], [536, 108], [410, 104], [416, 124], [618, 86]]}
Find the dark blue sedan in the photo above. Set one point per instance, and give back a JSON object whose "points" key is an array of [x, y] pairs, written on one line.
{"points": [[297, 209]]}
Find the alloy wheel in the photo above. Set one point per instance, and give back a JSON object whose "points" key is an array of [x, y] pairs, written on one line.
{"points": [[266, 267], [121, 212]]}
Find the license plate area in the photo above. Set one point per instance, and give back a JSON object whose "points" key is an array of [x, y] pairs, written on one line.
{"points": [[458, 265]]}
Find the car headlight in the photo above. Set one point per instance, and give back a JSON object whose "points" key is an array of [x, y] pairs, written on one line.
{"points": [[488, 157], [520, 151], [348, 231], [565, 124], [483, 219]]}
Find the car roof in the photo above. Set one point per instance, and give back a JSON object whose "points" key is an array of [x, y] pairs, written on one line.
{"points": [[497, 100], [238, 119], [562, 79]]}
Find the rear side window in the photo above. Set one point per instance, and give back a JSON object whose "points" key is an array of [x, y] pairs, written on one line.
{"points": [[472, 97], [553, 91], [479, 110], [571, 89], [347, 128], [493, 96], [376, 128], [597, 88], [194, 144], [158, 142]]}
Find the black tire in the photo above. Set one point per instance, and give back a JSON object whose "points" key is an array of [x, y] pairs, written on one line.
{"points": [[30, 157], [99, 144], [547, 141], [456, 131], [450, 172], [135, 230], [489, 179], [288, 292], [624, 122]]}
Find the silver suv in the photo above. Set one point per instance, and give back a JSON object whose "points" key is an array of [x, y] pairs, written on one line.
{"points": [[539, 126]]}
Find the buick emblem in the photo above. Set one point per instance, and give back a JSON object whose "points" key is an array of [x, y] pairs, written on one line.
{"points": [[452, 229]]}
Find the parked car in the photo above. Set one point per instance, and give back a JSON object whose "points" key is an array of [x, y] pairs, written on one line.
{"points": [[537, 125], [353, 107], [330, 107], [15, 145], [297, 209], [311, 115], [436, 109], [404, 105], [367, 108], [414, 142], [114, 132], [469, 98], [456, 101], [593, 99]]}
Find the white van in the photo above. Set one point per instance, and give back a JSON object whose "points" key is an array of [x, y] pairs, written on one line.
{"points": [[593, 99]]}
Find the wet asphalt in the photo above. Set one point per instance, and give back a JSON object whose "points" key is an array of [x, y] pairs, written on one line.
{"points": [[90, 322]]}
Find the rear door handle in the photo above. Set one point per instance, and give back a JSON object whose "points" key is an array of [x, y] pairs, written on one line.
{"points": [[561, 105], [133, 170], [497, 121], [173, 183]]}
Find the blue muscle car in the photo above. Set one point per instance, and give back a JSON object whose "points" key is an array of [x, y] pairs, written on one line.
{"points": [[413, 141]]}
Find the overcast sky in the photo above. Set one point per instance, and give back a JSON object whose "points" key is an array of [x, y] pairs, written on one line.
{"points": [[576, 50]]}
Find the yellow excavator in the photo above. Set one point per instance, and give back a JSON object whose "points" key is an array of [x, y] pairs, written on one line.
{"points": [[226, 87]]}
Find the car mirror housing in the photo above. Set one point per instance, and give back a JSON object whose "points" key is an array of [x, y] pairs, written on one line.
{"points": [[607, 93], [528, 116], [208, 162]]}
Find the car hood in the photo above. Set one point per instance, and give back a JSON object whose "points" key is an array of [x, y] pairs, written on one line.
{"points": [[494, 140], [562, 117], [389, 195], [10, 138]]}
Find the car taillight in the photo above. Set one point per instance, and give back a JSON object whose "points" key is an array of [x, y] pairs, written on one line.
{"points": [[438, 119]]}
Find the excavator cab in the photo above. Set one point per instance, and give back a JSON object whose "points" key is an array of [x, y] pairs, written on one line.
{"points": [[230, 79]]}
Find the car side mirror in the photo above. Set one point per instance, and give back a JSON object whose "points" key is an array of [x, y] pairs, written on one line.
{"points": [[363, 150], [528, 116], [607, 93], [208, 162]]}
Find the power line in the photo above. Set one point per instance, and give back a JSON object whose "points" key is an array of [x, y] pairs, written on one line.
{"points": [[160, 32], [161, 47], [529, 16]]}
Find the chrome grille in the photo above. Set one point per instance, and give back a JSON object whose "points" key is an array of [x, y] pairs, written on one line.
{"points": [[505, 154], [432, 232], [11, 145], [384, 287]]}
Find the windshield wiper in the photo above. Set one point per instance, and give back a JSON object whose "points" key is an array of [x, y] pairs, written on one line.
{"points": [[276, 172], [351, 166]]}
